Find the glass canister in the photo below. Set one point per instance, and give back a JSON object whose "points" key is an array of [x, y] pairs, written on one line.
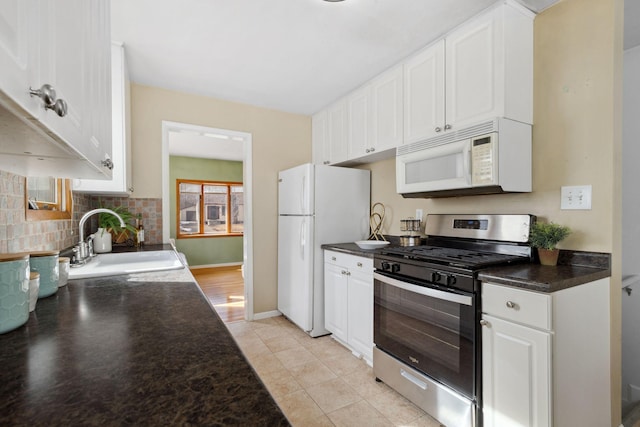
{"points": [[14, 291], [46, 263], [65, 264]]}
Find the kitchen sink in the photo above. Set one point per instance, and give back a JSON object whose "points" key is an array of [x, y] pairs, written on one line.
{"points": [[112, 264]]}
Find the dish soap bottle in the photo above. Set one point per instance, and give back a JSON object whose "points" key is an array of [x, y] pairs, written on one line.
{"points": [[140, 231]]}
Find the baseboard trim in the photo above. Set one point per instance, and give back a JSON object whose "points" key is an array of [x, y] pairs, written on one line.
{"points": [[266, 315], [228, 264]]}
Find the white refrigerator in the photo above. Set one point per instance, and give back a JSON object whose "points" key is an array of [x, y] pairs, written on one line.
{"points": [[317, 204]]}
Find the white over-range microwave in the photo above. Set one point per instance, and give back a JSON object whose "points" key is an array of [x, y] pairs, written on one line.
{"points": [[488, 158]]}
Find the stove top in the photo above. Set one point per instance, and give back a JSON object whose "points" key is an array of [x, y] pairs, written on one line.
{"points": [[456, 257]]}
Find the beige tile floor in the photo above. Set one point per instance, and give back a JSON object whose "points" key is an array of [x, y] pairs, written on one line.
{"points": [[318, 382]]}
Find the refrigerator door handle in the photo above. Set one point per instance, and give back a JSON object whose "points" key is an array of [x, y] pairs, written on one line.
{"points": [[302, 239]]}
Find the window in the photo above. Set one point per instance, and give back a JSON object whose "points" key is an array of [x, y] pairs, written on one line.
{"points": [[209, 209], [48, 198]]}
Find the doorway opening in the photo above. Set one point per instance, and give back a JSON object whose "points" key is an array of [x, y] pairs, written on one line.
{"points": [[183, 140]]}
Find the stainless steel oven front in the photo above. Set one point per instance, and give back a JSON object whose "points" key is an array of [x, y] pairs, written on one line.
{"points": [[427, 345]]}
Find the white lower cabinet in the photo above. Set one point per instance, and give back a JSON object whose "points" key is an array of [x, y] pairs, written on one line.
{"points": [[546, 356], [517, 373], [348, 287]]}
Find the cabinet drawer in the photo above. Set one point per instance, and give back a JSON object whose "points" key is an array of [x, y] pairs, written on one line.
{"points": [[525, 307], [350, 262]]}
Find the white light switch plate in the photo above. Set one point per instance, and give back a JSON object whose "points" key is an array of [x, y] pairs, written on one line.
{"points": [[577, 197], [419, 214]]}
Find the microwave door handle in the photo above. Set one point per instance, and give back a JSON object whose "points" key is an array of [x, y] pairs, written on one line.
{"points": [[466, 162]]}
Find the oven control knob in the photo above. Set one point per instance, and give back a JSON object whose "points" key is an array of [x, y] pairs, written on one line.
{"points": [[451, 280], [435, 277], [395, 267], [385, 266]]}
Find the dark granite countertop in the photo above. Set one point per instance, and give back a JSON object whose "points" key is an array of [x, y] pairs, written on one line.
{"points": [[138, 349], [351, 249]]}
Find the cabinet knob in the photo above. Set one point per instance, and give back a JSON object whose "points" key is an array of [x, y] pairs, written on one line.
{"points": [[107, 164], [484, 322], [511, 304], [326, 162], [359, 264], [48, 95], [333, 258], [372, 149], [447, 127], [367, 151], [438, 129]]}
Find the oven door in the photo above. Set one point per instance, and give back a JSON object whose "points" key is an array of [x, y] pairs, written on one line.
{"points": [[429, 329]]}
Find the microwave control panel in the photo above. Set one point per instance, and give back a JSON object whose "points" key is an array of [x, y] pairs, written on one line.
{"points": [[483, 160]]}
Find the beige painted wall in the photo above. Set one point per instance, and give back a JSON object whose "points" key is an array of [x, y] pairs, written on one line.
{"points": [[280, 140], [576, 141]]}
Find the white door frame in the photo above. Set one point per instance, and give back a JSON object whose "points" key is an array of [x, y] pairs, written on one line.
{"points": [[247, 178]]}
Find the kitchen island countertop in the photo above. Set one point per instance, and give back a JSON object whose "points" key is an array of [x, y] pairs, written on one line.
{"points": [[137, 349]]}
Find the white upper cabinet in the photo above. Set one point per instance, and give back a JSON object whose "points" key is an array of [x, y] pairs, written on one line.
{"points": [[424, 93], [360, 114], [386, 93], [18, 52], [320, 138], [481, 70], [337, 118], [120, 182], [64, 44]]}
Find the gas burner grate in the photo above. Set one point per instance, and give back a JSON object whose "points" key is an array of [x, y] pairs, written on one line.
{"points": [[453, 256]]}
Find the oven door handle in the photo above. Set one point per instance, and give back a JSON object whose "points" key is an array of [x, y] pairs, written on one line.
{"points": [[430, 292]]}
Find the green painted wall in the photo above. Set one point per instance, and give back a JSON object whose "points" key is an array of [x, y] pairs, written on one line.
{"points": [[205, 250]]}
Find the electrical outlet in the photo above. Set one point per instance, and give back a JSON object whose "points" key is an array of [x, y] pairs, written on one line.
{"points": [[419, 214], [577, 197]]}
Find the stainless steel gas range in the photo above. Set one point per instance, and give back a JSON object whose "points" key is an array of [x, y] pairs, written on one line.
{"points": [[427, 311]]}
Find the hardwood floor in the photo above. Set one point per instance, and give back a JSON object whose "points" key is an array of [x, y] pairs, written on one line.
{"points": [[224, 287]]}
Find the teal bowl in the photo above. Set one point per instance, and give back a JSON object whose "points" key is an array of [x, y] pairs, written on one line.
{"points": [[46, 263], [14, 291]]}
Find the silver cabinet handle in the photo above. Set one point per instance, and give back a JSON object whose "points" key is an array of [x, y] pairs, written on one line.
{"points": [[484, 323], [333, 258], [48, 95], [447, 127], [359, 264], [107, 164], [438, 129], [372, 149], [326, 162], [367, 151], [511, 304]]}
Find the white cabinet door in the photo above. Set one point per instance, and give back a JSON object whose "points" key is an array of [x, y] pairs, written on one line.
{"points": [[335, 300], [516, 375], [320, 138], [65, 64], [359, 122], [424, 94], [99, 99], [472, 72], [120, 182], [361, 313], [337, 116], [386, 92], [18, 52]]}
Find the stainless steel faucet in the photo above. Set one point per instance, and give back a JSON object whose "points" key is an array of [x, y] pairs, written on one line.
{"points": [[83, 248]]}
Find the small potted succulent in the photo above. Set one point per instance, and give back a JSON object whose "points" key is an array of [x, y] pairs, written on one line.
{"points": [[545, 236]]}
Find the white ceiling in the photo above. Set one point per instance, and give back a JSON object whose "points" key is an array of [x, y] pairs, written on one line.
{"points": [[290, 55]]}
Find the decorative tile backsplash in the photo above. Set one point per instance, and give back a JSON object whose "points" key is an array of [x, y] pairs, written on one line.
{"points": [[19, 235]]}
